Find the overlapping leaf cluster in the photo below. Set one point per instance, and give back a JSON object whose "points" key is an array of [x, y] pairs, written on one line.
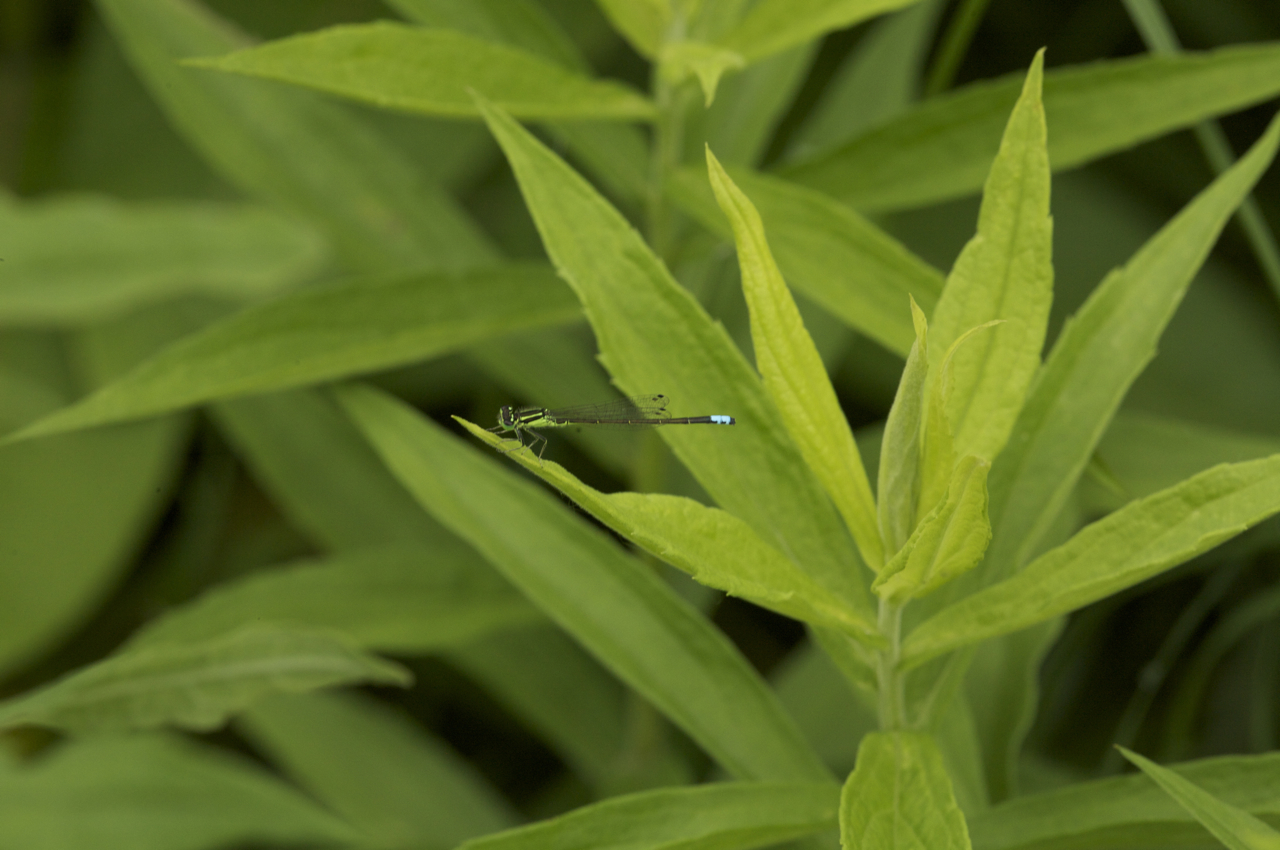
{"points": [[965, 550]]}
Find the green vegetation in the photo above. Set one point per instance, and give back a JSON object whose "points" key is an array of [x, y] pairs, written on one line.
{"points": [[966, 534]]}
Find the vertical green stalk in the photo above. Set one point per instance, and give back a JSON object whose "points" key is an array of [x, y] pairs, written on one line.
{"points": [[889, 678], [664, 158]]}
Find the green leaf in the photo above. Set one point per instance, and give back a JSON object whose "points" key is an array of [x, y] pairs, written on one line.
{"points": [[855, 270], [718, 816], [350, 501], [1147, 452], [876, 81], [1127, 811], [1097, 357], [404, 599], [1004, 273], [1235, 828], [714, 546], [82, 259], [644, 23], [681, 60], [943, 148], [376, 768], [155, 792], [581, 711], [947, 543], [899, 797], [109, 486], [195, 685], [937, 442], [321, 334], [430, 72], [793, 373], [898, 487], [774, 25], [1136, 542], [654, 336], [612, 604], [525, 24], [289, 148]]}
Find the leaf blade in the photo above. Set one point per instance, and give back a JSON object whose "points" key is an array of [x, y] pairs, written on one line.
{"points": [[430, 71], [793, 372]]}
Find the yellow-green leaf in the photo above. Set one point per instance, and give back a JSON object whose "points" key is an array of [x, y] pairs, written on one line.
{"points": [[1005, 272], [430, 71], [898, 484], [793, 372], [948, 542], [899, 797]]}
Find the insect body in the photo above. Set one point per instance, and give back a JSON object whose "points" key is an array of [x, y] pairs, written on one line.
{"points": [[637, 411]]}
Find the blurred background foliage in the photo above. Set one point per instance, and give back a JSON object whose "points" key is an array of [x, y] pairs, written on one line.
{"points": [[102, 531]]}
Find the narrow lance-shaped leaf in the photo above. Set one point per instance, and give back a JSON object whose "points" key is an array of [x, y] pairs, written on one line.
{"points": [[827, 251], [79, 259], [1101, 351], [430, 71], [948, 542], [1136, 542], [937, 442], [288, 147], [774, 25], [898, 485], [717, 816], [654, 336], [683, 59], [197, 685], [377, 768], [1005, 272], [899, 797], [157, 792], [1129, 810], [942, 149], [793, 373], [713, 546], [1235, 828], [616, 607], [317, 335], [407, 599]]}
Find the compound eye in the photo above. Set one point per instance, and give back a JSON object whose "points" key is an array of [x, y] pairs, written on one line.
{"points": [[505, 414]]}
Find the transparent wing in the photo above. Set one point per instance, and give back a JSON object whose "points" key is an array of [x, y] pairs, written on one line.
{"points": [[635, 407]]}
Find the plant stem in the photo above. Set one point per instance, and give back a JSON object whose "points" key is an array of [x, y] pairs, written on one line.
{"points": [[664, 158], [891, 709]]}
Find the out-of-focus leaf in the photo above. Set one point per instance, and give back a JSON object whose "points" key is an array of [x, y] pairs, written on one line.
{"points": [[522, 23], [155, 792], [644, 23], [431, 71], [72, 511], [774, 25], [405, 599], [74, 260], [381, 772], [943, 148], [288, 147], [195, 685], [321, 334], [719, 816]]}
